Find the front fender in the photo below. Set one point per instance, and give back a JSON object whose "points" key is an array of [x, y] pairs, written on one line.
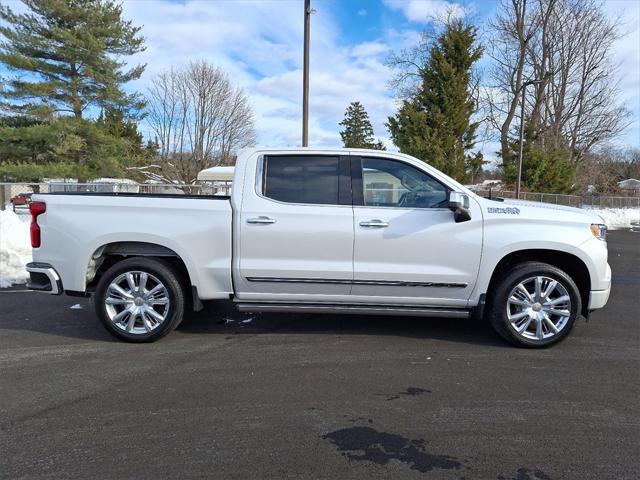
{"points": [[507, 236]]}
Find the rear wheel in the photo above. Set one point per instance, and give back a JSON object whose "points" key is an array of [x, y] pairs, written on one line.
{"points": [[536, 305], [140, 299]]}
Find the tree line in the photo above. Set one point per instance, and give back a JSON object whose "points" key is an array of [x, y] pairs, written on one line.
{"points": [[556, 54], [65, 111]]}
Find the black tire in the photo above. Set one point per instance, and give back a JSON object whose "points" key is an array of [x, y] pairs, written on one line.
{"points": [[498, 297], [166, 275]]}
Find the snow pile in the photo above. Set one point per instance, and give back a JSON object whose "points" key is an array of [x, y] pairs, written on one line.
{"points": [[616, 218], [15, 248]]}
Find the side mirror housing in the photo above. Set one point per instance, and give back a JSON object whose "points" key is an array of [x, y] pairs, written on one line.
{"points": [[459, 204]]}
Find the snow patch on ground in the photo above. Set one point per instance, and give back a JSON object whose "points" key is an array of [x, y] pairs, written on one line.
{"points": [[616, 218], [15, 248]]}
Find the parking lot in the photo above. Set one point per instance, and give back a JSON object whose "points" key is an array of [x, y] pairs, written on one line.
{"points": [[283, 396]]}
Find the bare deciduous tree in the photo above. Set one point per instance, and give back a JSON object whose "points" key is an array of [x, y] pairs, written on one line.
{"points": [[408, 66], [199, 120], [601, 171], [565, 46]]}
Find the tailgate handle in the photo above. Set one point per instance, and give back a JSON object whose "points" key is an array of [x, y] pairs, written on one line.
{"points": [[261, 220]]}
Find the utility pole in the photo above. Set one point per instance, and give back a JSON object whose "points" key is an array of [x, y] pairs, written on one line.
{"points": [[524, 89], [305, 75]]}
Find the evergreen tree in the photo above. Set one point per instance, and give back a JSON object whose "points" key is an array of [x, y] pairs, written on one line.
{"points": [[435, 124], [69, 53], [358, 132], [548, 170], [68, 141], [113, 121]]}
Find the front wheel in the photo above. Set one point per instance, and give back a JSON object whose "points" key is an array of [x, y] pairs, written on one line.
{"points": [[140, 299], [536, 305]]}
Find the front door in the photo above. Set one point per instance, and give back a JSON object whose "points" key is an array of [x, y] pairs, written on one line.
{"points": [[408, 249], [295, 231]]}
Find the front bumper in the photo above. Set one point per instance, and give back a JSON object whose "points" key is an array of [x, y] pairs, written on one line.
{"points": [[599, 298], [44, 278]]}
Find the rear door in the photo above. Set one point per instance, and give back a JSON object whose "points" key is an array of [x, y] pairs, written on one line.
{"points": [[296, 229], [408, 249]]}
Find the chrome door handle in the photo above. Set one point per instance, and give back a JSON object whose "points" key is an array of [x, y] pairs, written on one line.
{"points": [[261, 220], [374, 224]]}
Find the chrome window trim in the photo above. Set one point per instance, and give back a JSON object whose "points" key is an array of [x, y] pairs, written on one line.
{"points": [[416, 209]]}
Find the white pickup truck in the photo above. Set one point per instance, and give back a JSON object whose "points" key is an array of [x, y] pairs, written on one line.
{"points": [[324, 231]]}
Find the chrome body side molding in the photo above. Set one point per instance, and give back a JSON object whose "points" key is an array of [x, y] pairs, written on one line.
{"points": [[356, 282]]}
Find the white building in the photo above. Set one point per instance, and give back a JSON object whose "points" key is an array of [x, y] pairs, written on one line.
{"points": [[630, 184]]}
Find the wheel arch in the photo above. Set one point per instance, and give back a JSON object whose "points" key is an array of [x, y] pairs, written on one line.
{"points": [[111, 253], [565, 261]]}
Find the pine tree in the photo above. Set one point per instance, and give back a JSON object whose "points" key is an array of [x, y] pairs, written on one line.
{"points": [[113, 122], [69, 57], [435, 125], [358, 132], [548, 170]]}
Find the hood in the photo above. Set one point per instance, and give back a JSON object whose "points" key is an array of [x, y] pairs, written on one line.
{"points": [[539, 211]]}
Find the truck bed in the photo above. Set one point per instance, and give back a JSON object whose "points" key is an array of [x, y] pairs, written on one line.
{"points": [[78, 226]]}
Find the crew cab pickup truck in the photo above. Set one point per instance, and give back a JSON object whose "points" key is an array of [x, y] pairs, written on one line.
{"points": [[324, 231]]}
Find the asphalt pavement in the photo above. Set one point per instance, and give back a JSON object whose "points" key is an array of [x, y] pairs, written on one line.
{"points": [[319, 397]]}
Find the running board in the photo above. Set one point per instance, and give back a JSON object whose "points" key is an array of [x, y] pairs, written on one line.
{"points": [[402, 310]]}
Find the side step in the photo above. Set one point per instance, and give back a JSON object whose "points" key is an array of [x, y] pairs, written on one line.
{"points": [[402, 310]]}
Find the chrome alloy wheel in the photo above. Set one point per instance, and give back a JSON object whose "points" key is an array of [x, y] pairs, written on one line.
{"points": [[137, 302], [538, 308]]}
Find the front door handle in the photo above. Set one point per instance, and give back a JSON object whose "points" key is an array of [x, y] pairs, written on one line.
{"points": [[374, 224], [261, 220]]}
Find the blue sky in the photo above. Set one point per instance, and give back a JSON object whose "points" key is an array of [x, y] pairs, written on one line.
{"points": [[259, 43]]}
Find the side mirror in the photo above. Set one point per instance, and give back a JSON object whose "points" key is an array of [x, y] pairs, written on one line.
{"points": [[459, 204]]}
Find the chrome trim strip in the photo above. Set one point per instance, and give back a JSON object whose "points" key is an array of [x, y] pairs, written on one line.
{"points": [[354, 309], [388, 283], [299, 280], [52, 275]]}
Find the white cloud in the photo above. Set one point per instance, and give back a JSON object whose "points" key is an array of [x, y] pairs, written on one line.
{"points": [[260, 45], [369, 49], [403, 38], [362, 12], [424, 11], [626, 55]]}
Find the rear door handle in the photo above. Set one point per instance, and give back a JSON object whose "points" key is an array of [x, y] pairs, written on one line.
{"points": [[261, 220], [374, 224]]}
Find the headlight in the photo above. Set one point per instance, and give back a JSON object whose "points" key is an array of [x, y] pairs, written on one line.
{"points": [[599, 231]]}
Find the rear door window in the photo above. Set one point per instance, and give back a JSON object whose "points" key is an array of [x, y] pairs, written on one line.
{"points": [[302, 179]]}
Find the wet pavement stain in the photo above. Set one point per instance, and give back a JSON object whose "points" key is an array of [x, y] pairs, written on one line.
{"points": [[361, 419], [409, 392], [526, 474], [368, 444]]}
